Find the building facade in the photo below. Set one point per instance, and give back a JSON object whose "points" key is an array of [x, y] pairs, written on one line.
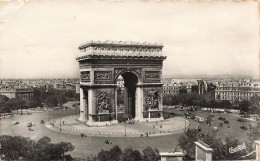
{"points": [[237, 91], [22, 93]]}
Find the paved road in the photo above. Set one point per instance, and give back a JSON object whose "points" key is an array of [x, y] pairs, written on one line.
{"points": [[83, 146]]}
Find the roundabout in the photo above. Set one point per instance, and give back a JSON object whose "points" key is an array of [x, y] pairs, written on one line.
{"points": [[70, 124]]}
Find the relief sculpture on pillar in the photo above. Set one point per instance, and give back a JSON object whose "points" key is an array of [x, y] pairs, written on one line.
{"points": [[103, 103], [152, 100]]}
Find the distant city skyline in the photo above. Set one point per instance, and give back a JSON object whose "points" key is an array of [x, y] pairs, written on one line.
{"points": [[39, 39]]}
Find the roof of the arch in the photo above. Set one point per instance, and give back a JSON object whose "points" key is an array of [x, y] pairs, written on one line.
{"points": [[117, 49]]}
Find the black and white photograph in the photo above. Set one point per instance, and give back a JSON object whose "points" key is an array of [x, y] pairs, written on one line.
{"points": [[129, 80]]}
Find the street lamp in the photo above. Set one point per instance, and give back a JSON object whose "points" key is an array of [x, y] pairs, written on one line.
{"points": [[185, 122], [49, 117], [60, 124], [125, 128]]}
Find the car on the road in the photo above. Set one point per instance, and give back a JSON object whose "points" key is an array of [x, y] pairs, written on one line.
{"points": [[83, 135], [241, 120], [244, 127], [228, 111], [107, 142], [226, 122], [131, 122], [15, 123], [42, 121], [29, 124]]}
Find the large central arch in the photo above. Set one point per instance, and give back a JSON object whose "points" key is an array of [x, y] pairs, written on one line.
{"points": [[140, 65], [130, 82]]}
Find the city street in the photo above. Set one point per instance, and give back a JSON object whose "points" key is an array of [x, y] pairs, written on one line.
{"points": [[83, 146]]}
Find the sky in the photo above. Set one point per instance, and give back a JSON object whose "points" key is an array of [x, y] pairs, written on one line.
{"points": [[39, 39]]}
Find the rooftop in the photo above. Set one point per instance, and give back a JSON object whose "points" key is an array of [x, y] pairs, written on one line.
{"points": [[118, 43], [119, 49]]}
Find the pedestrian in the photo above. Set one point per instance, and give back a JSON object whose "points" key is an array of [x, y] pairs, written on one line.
{"points": [[63, 122]]}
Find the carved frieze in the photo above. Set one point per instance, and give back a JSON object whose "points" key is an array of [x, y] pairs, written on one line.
{"points": [[152, 100], [85, 76], [152, 75], [103, 105], [103, 75], [138, 71]]}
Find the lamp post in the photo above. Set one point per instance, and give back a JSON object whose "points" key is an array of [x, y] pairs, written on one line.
{"points": [[49, 117], [185, 122], [60, 124], [125, 128]]}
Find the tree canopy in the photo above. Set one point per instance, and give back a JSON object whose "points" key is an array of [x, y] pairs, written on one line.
{"points": [[21, 148]]}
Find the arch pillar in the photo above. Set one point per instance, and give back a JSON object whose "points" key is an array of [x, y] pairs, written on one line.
{"points": [[83, 106], [139, 103]]}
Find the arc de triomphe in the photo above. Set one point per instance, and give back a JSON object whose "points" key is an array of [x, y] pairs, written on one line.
{"points": [[140, 65]]}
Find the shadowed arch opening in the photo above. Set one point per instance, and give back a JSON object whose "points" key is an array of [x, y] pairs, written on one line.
{"points": [[126, 95]]}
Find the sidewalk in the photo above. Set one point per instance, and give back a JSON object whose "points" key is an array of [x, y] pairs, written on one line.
{"points": [[73, 126]]}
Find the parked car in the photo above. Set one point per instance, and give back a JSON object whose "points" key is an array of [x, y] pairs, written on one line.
{"points": [[107, 142], [191, 116], [83, 135], [131, 122], [226, 122], [229, 111], [16, 122], [241, 120], [244, 127], [29, 124]]}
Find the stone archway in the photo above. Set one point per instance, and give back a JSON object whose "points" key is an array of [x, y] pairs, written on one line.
{"points": [[100, 65], [130, 82]]}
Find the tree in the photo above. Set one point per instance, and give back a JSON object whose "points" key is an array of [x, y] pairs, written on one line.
{"points": [[255, 101], [115, 153], [186, 141], [21, 148], [244, 106], [254, 132], [150, 155], [167, 100], [103, 155], [131, 155], [66, 147]]}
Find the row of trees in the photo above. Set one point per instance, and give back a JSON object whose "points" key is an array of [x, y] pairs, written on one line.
{"points": [[208, 100], [21, 148], [129, 154], [194, 99], [41, 97]]}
